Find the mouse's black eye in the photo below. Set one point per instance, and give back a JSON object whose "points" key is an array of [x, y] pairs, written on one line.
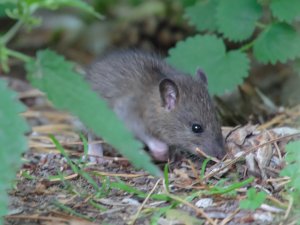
{"points": [[196, 128]]}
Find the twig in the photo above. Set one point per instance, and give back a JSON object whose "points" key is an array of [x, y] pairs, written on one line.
{"points": [[206, 156], [276, 201], [229, 217], [287, 213], [46, 218], [198, 210], [144, 202], [275, 144], [37, 217]]}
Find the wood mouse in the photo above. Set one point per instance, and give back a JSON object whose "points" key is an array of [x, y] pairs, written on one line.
{"points": [[162, 106]]}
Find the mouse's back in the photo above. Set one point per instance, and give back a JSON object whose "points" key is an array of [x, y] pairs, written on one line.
{"points": [[124, 72]]}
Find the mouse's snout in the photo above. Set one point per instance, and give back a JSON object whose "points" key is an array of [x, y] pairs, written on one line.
{"points": [[214, 149], [218, 149], [219, 152]]}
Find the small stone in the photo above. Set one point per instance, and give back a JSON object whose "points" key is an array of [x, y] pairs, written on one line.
{"points": [[130, 201], [204, 202], [263, 217]]}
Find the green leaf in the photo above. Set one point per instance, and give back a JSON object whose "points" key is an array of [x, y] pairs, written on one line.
{"points": [[186, 3], [202, 15], [254, 199], [279, 42], [33, 5], [285, 10], [292, 169], [12, 141], [236, 19], [8, 2], [68, 91], [4, 7], [224, 70], [293, 152], [55, 4]]}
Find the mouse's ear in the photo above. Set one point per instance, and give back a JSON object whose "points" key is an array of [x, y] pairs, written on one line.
{"points": [[168, 93], [201, 76]]}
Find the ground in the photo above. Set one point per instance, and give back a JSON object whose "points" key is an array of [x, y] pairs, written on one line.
{"points": [[52, 188]]}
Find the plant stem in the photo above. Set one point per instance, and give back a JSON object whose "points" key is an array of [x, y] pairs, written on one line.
{"points": [[247, 46], [250, 44], [18, 55], [261, 25], [12, 32]]}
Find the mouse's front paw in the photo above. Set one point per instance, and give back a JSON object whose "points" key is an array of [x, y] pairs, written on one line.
{"points": [[159, 150]]}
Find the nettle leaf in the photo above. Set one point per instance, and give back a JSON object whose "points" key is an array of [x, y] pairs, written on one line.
{"points": [[55, 76], [4, 7], [12, 140], [202, 15], [186, 3], [293, 152], [279, 42], [292, 169], [285, 10], [55, 4], [225, 70], [236, 19], [14, 2], [254, 199]]}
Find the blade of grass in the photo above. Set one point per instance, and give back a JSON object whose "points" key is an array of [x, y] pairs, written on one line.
{"points": [[63, 152], [97, 206], [203, 168], [71, 211], [73, 166], [124, 187], [218, 190], [85, 149], [166, 177]]}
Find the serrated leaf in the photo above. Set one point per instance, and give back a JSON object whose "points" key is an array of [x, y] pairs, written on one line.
{"points": [[55, 4], [186, 3], [68, 91], [70, 3], [292, 169], [285, 10], [8, 1], [202, 15], [254, 199], [293, 152], [224, 70], [279, 42], [12, 140], [236, 19], [4, 7]]}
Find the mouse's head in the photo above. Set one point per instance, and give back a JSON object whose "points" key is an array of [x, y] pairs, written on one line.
{"points": [[187, 117]]}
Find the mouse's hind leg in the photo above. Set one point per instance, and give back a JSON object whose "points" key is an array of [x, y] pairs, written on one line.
{"points": [[95, 150]]}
